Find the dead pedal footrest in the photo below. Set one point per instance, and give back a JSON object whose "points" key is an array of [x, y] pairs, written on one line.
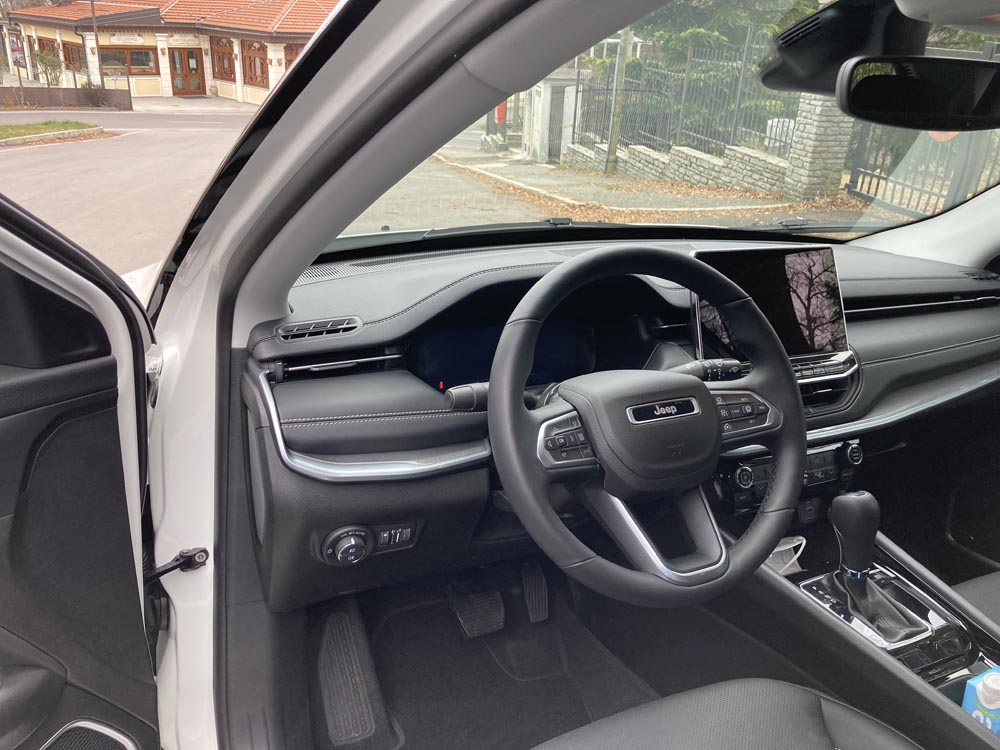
{"points": [[479, 612], [536, 591]]}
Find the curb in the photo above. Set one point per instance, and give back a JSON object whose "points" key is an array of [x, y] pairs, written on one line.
{"points": [[574, 202], [59, 135]]}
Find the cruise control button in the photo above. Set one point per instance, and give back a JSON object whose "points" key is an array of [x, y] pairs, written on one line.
{"points": [[728, 427], [747, 410], [724, 412], [720, 400], [761, 408]]}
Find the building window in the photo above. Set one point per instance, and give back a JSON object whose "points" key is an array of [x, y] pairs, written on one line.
{"points": [[136, 61], [75, 57], [48, 47], [254, 63], [223, 67], [292, 52]]}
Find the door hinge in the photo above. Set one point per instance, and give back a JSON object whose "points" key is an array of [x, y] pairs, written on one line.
{"points": [[185, 561], [154, 368]]}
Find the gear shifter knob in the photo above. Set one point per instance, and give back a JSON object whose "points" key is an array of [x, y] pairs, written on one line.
{"points": [[855, 518]]}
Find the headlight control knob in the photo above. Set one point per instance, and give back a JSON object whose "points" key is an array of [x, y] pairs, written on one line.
{"points": [[347, 546], [743, 476]]}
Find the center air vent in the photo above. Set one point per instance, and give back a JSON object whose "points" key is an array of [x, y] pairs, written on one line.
{"points": [[318, 328]]}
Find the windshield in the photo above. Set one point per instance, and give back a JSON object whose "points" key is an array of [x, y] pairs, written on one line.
{"points": [[667, 122]]}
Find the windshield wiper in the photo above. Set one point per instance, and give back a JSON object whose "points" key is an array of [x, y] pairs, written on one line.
{"points": [[793, 225]]}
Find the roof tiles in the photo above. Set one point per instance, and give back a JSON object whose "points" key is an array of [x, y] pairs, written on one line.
{"points": [[264, 16]]}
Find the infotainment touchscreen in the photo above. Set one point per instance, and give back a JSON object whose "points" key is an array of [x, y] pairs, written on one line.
{"points": [[797, 290]]}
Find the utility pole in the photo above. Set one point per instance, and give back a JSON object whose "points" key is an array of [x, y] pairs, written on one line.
{"points": [[614, 133]]}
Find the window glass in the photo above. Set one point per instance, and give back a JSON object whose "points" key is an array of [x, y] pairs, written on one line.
{"points": [[142, 61], [113, 61]]}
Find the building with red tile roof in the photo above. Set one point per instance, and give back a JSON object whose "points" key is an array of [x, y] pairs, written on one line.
{"points": [[238, 49]]}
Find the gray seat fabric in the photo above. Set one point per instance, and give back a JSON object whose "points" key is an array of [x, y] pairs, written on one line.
{"points": [[747, 714], [984, 594]]}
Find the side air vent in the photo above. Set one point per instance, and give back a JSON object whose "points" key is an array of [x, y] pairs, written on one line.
{"points": [[983, 275], [800, 31], [319, 328]]}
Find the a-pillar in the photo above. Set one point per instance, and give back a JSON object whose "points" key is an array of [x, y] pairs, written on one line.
{"points": [[275, 64], [238, 65]]}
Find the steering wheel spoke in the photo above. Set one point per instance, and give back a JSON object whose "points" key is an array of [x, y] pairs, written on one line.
{"points": [[706, 561]]}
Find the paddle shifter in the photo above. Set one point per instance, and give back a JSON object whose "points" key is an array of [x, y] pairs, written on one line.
{"points": [[855, 517]]}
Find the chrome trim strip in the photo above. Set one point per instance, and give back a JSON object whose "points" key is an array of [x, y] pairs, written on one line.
{"points": [[630, 411], [127, 742], [451, 457], [342, 364], [971, 301], [653, 554]]}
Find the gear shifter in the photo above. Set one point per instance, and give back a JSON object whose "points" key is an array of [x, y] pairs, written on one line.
{"points": [[855, 518]]}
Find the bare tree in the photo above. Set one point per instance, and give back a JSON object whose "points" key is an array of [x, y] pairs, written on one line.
{"points": [[812, 281]]}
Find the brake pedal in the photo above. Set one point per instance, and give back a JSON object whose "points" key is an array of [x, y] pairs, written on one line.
{"points": [[479, 613], [536, 591]]}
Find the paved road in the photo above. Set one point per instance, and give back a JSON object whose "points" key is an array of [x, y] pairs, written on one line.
{"points": [[127, 198]]}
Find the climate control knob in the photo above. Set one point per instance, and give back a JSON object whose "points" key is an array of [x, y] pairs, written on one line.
{"points": [[743, 476]]}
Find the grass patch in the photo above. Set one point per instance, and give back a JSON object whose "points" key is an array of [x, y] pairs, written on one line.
{"points": [[38, 128]]}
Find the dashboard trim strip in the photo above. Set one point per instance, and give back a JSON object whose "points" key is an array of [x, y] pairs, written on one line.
{"points": [[450, 458]]}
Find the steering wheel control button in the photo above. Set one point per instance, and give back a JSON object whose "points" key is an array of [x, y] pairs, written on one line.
{"points": [[742, 412], [565, 442]]}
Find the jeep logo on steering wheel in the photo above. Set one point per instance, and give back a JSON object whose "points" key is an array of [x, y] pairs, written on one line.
{"points": [[660, 410]]}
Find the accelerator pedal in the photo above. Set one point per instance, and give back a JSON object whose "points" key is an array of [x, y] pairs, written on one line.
{"points": [[536, 591], [479, 612]]}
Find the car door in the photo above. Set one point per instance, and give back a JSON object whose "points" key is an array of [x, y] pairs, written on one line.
{"points": [[75, 667]]}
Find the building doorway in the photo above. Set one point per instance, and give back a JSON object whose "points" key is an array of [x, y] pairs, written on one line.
{"points": [[187, 71]]}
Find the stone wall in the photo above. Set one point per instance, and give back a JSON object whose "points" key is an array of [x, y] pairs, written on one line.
{"points": [[819, 149], [753, 170]]}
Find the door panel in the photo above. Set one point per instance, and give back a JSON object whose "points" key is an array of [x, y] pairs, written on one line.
{"points": [[72, 643]]}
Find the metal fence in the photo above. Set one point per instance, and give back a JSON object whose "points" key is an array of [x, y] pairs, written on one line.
{"points": [[919, 174], [713, 100], [506, 117]]}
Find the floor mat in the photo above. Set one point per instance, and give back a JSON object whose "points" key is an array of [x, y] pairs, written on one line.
{"points": [[511, 690]]}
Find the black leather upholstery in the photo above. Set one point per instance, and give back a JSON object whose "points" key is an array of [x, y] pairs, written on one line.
{"points": [[984, 594], [739, 715], [384, 411]]}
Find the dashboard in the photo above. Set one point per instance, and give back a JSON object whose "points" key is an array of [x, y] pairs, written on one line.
{"points": [[366, 407]]}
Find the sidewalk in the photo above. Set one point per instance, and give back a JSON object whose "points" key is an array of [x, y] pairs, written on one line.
{"points": [[201, 105], [614, 192]]}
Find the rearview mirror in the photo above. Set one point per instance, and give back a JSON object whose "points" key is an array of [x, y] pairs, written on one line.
{"points": [[922, 93]]}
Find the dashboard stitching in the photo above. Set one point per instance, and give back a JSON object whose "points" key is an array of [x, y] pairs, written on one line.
{"points": [[383, 419], [290, 420]]}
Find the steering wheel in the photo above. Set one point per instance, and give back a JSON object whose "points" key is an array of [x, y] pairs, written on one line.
{"points": [[625, 436]]}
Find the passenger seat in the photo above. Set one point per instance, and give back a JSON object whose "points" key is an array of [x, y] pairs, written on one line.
{"points": [[984, 594]]}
